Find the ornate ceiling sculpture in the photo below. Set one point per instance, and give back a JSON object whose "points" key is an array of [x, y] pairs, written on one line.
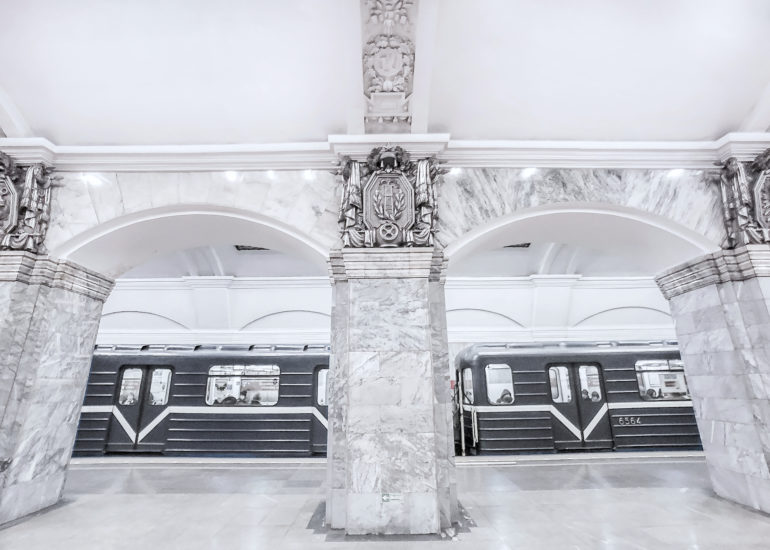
{"points": [[25, 205], [388, 201], [745, 188], [388, 64]]}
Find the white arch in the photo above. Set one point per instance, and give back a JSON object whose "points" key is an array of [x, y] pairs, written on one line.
{"points": [[491, 314], [148, 314], [124, 242], [325, 317], [665, 314], [593, 224]]}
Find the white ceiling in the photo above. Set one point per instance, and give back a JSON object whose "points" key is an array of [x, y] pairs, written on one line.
{"points": [[91, 72], [540, 258], [599, 69], [262, 71], [225, 260]]}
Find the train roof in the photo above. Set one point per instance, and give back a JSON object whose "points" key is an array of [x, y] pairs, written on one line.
{"points": [[566, 348], [257, 349]]}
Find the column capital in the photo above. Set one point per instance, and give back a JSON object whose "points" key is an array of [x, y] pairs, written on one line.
{"points": [[387, 263], [739, 264], [36, 269]]}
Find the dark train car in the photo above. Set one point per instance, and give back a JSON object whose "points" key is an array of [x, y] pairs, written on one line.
{"points": [[538, 398], [225, 400]]}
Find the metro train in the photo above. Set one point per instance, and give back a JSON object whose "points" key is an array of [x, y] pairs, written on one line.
{"points": [[518, 398], [223, 400], [241, 400]]}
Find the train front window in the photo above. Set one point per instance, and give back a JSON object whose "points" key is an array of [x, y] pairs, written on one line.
{"points": [[129, 387], [499, 384], [160, 386], [662, 380], [590, 386], [243, 385], [561, 392], [468, 386], [322, 377]]}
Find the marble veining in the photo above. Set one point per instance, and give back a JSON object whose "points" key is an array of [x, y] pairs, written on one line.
{"points": [[48, 333], [722, 320], [390, 431], [308, 201], [476, 197]]}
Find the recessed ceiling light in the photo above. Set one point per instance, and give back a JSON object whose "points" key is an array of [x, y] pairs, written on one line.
{"points": [[230, 175], [92, 179], [528, 172]]}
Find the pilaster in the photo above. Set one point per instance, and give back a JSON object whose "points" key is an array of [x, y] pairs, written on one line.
{"points": [[391, 444], [49, 315], [721, 309]]}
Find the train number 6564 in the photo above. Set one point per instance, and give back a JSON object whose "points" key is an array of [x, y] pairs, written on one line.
{"points": [[629, 420]]}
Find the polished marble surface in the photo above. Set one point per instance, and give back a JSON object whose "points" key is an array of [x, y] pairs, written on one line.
{"points": [[600, 501]]}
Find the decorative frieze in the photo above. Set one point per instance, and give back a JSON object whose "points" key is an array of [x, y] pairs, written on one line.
{"points": [[745, 188], [25, 205], [388, 64], [388, 201]]}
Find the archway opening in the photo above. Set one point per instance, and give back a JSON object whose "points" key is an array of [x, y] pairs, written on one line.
{"points": [[123, 243], [577, 272]]}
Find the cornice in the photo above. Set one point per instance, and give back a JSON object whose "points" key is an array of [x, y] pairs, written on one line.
{"points": [[323, 155], [33, 269], [741, 264]]}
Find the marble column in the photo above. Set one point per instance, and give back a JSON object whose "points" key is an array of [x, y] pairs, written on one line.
{"points": [[391, 444], [49, 315], [721, 309]]}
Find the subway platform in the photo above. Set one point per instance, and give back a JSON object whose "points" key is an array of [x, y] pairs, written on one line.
{"points": [[634, 501]]}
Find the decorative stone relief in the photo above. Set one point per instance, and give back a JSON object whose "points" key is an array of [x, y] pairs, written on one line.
{"points": [[25, 205], [745, 188], [388, 201], [388, 64]]}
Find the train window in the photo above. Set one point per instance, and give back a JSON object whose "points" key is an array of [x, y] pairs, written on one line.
{"points": [[160, 386], [322, 376], [499, 384], [129, 387], [561, 392], [661, 380], [243, 385], [590, 386], [468, 386]]}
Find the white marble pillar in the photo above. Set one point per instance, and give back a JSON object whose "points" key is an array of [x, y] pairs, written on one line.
{"points": [[721, 309], [391, 444], [49, 315]]}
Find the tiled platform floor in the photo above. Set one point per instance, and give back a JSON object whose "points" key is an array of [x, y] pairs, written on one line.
{"points": [[607, 501]]}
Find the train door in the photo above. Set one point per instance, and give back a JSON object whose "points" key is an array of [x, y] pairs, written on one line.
{"points": [[319, 431], [137, 423], [579, 419]]}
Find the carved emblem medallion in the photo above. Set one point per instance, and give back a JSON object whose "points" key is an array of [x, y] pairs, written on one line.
{"points": [[388, 205], [9, 205], [388, 200]]}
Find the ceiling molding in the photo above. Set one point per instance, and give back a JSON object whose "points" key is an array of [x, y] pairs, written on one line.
{"points": [[323, 155], [358, 147]]}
